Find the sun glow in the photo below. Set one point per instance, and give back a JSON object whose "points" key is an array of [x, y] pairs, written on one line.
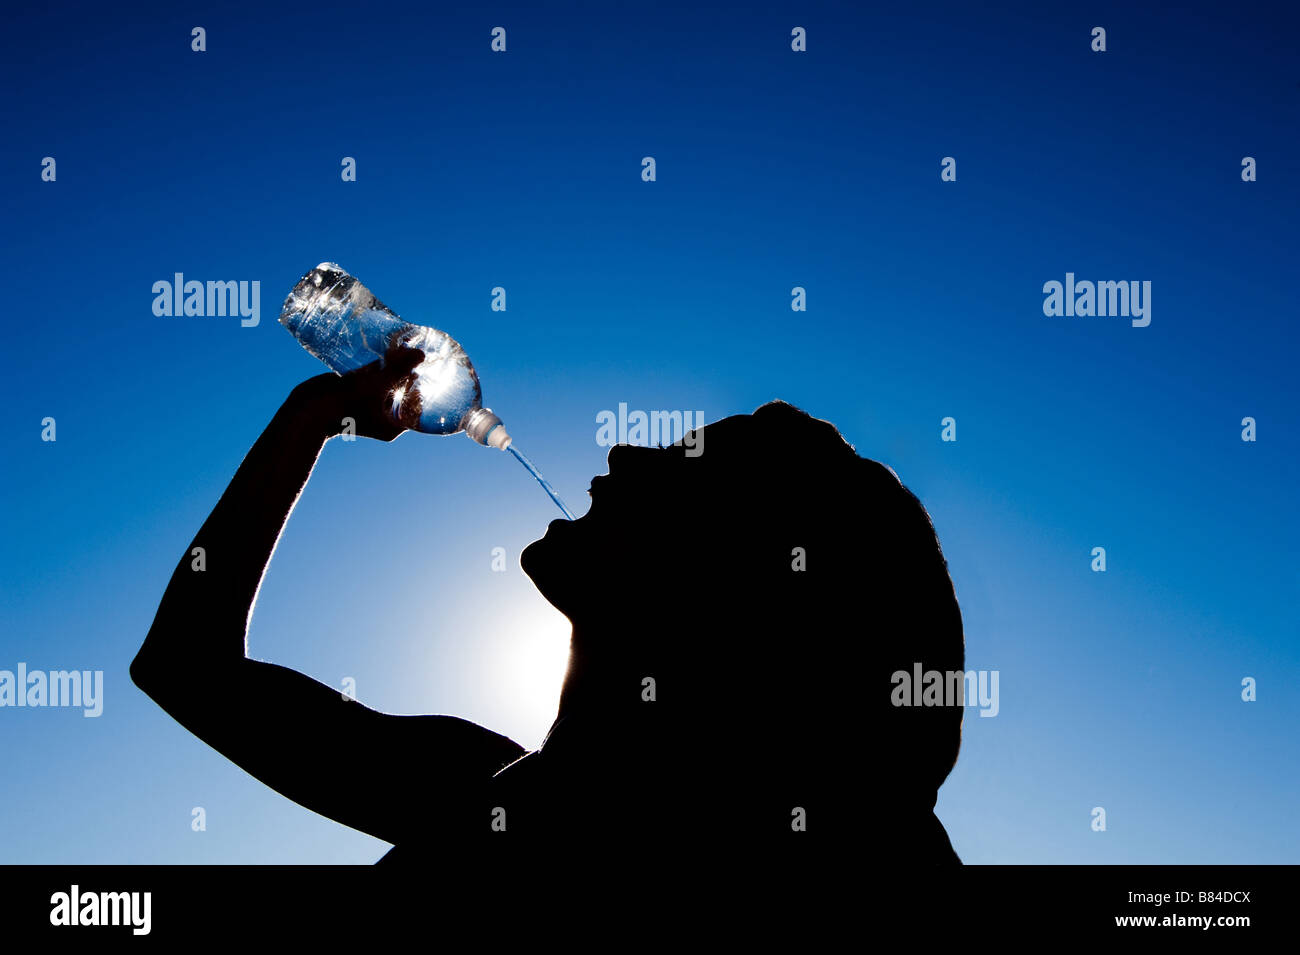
{"points": [[529, 658]]}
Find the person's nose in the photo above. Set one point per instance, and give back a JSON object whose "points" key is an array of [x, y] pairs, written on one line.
{"points": [[625, 456]]}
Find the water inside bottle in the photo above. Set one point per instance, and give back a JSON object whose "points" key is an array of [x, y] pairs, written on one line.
{"points": [[546, 485]]}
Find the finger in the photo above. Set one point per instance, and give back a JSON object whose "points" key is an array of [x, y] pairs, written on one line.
{"points": [[401, 359], [368, 369]]}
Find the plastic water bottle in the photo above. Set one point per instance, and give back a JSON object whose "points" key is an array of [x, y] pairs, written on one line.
{"points": [[340, 321]]}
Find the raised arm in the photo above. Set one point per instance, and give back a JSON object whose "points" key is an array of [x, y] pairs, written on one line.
{"points": [[368, 770]]}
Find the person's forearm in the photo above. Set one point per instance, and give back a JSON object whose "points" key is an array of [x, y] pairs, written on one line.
{"points": [[203, 617]]}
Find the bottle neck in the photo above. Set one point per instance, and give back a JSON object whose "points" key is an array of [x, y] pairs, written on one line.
{"points": [[486, 428]]}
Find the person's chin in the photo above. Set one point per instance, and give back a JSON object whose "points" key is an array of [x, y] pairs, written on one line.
{"points": [[539, 563], [531, 559], [537, 559]]}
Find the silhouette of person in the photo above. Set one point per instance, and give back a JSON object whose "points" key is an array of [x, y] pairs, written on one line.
{"points": [[738, 614]]}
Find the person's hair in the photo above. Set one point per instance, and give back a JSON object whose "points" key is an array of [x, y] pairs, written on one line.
{"points": [[814, 576]]}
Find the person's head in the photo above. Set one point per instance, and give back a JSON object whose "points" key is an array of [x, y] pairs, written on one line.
{"points": [[770, 586]]}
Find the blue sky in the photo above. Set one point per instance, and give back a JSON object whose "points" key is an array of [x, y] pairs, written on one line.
{"points": [[775, 169]]}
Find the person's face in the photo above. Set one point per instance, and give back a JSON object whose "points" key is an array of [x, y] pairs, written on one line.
{"points": [[576, 563], [650, 522]]}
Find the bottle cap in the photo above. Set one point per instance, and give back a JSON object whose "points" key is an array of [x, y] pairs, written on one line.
{"points": [[486, 428]]}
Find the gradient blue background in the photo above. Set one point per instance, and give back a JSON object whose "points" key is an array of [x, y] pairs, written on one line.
{"points": [[775, 169]]}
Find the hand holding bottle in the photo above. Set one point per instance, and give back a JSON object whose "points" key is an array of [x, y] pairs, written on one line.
{"points": [[433, 388], [340, 321], [364, 396]]}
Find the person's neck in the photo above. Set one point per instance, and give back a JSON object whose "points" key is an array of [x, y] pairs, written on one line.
{"points": [[598, 687]]}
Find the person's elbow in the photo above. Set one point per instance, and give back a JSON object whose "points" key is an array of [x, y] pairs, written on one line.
{"points": [[171, 671], [145, 673], [156, 671]]}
